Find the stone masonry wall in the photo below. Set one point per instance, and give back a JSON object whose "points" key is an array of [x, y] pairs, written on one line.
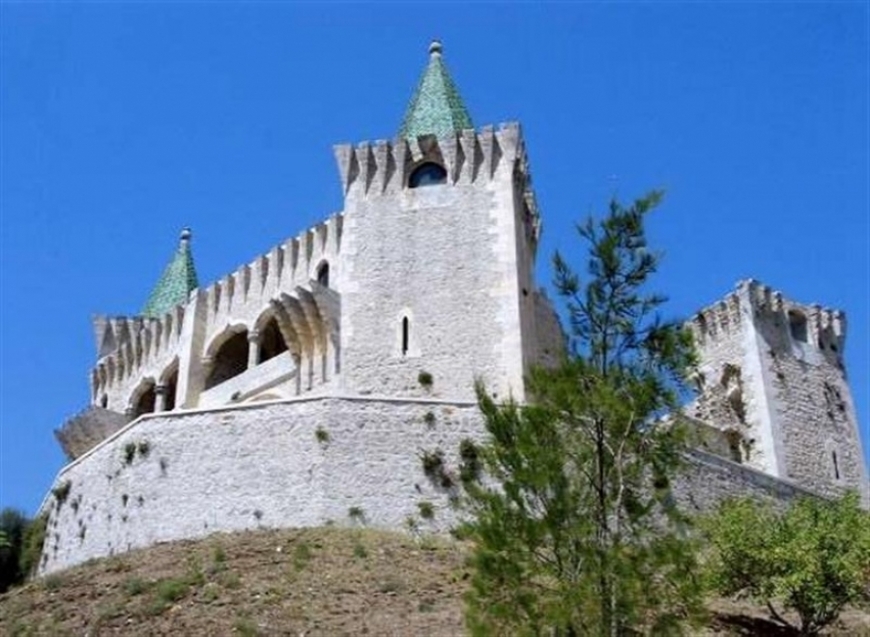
{"points": [[189, 474], [185, 475]]}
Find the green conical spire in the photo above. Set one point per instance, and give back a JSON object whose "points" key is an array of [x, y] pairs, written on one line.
{"points": [[436, 108], [177, 282]]}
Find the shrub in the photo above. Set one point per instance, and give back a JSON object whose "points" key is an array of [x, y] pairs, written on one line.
{"points": [[322, 435], [301, 556], [814, 558], [356, 514], [425, 379], [429, 418], [143, 448], [61, 492], [469, 468], [129, 453], [135, 586], [171, 590], [435, 469], [32, 544], [427, 510]]}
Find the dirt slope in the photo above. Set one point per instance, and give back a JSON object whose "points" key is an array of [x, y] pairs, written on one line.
{"points": [[326, 582]]}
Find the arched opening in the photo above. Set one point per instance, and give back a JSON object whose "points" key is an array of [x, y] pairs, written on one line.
{"points": [[271, 341], [405, 335], [104, 401], [428, 174], [170, 387], [145, 400], [231, 359], [797, 325], [323, 274]]}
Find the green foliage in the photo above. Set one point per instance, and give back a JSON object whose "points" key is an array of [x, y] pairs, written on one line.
{"points": [[429, 418], [356, 514], [469, 468], [322, 435], [813, 559], [61, 492], [435, 469], [573, 521], [129, 453], [32, 544], [143, 448], [425, 379], [171, 590], [13, 526], [426, 509]]}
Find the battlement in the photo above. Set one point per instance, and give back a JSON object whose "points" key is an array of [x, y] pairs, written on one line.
{"points": [[372, 169], [284, 267], [129, 343], [824, 327]]}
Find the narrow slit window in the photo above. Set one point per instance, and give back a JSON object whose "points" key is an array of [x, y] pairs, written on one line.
{"points": [[836, 465], [405, 335]]}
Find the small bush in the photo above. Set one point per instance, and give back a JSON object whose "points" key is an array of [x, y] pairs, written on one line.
{"points": [[427, 510], [129, 453], [356, 514], [435, 469], [322, 435], [230, 580], [359, 551], [171, 590], [246, 627], [433, 463], [32, 544], [469, 468], [135, 586], [301, 556], [429, 418], [425, 379], [143, 448], [813, 559], [61, 492], [53, 582], [218, 555]]}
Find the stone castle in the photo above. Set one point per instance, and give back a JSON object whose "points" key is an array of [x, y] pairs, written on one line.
{"points": [[305, 387]]}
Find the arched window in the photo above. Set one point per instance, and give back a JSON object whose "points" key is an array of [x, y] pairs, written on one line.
{"points": [[145, 401], [271, 341], [323, 274], [797, 324], [405, 335], [428, 174], [230, 360]]}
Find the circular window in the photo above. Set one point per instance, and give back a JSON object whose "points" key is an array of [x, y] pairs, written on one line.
{"points": [[427, 174]]}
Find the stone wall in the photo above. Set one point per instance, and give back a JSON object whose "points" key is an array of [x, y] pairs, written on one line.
{"points": [[301, 463]]}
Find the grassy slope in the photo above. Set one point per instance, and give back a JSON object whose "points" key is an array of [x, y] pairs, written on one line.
{"points": [[288, 582]]}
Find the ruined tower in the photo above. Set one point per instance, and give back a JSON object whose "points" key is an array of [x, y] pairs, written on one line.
{"points": [[772, 377]]}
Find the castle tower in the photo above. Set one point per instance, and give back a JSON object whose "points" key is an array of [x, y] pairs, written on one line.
{"points": [[437, 277], [773, 377]]}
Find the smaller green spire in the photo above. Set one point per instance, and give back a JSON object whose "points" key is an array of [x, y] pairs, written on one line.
{"points": [[177, 282], [436, 107]]}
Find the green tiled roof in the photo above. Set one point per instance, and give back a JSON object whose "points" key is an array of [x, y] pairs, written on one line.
{"points": [[177, 282], [436, 108]]}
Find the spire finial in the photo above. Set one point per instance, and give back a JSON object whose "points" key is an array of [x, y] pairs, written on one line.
{"points": [[435, 48], [186, 234]]}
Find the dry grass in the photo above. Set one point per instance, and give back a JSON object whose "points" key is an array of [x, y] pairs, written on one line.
{"points": [[311, 582]]}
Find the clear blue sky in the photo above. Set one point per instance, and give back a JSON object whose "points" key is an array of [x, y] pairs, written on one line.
{"points": [[122, 123]]}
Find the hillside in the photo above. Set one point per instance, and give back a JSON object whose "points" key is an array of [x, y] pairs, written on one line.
{"points": [[288, 582]]}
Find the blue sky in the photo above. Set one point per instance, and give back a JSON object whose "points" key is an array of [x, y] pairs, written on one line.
{"points": [[122, 123]]}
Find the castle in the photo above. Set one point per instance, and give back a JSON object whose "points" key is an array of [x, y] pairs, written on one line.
{"points": [[305, 387]]}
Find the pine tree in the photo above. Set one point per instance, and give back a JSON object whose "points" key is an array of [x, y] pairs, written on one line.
{"points": [[573, 521]]}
